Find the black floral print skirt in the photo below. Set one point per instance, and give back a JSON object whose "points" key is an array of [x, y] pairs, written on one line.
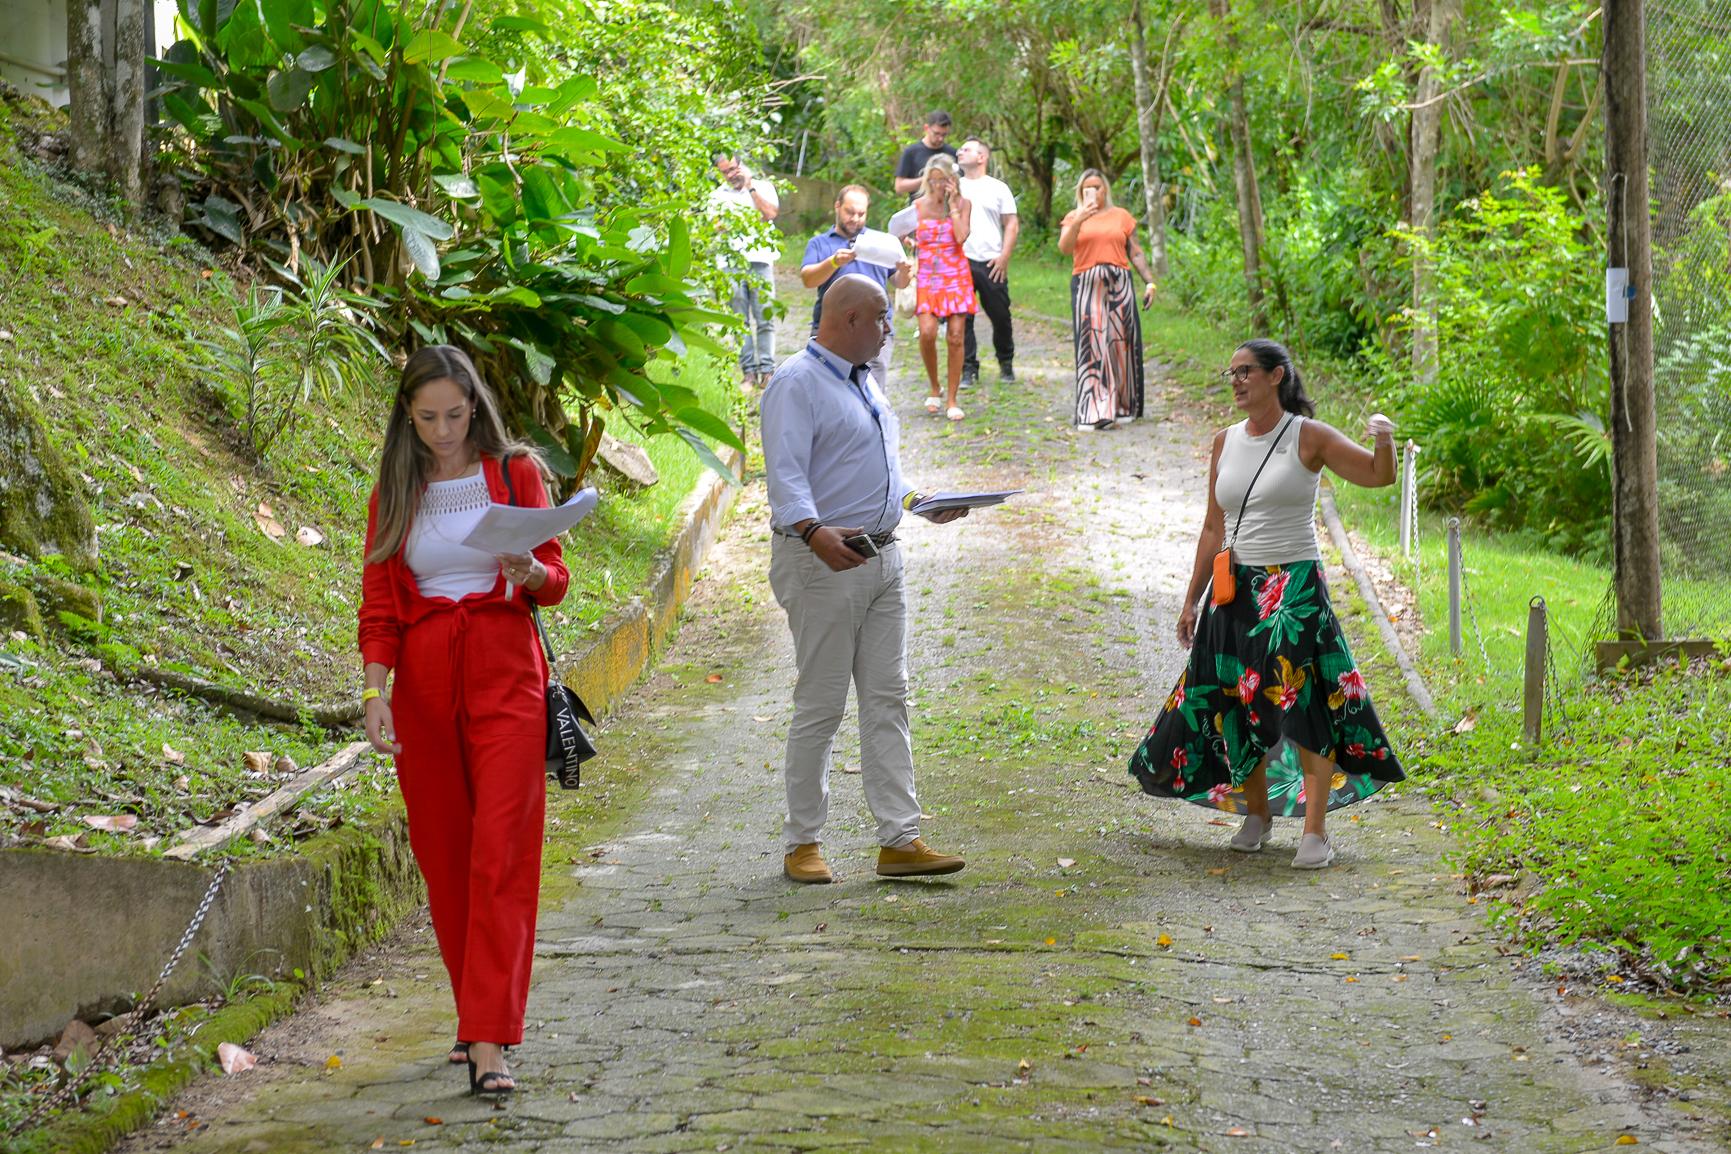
{"points": [[1269, 674]]}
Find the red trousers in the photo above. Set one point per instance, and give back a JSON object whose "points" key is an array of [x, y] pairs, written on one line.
{"points": [[470, 707]]}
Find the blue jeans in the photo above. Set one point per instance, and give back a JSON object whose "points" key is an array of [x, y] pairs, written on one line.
{"points": [[757, 349]]}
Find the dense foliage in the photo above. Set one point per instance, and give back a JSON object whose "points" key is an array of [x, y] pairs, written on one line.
{"points": [[1334, 103], [520, 184]]}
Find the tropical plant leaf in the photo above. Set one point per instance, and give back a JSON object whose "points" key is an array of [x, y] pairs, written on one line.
{"points": [[429, 46], [403, 216], [421, 250]]}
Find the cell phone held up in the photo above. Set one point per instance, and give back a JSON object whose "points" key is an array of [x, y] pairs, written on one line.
{"points": [[862, 544]]}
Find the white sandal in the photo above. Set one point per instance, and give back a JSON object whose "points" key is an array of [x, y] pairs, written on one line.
{"points": [[955, 414], [932, 404]]}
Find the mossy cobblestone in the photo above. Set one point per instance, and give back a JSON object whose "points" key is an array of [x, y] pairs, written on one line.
{"points": [[1103, 976]]}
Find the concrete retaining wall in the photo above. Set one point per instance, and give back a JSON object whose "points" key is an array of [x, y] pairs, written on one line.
{"points": [[82, 936]]}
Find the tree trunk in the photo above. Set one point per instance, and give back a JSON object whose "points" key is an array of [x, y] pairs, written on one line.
{"points": [[1244, 177], [126, 99], [86, 82], [1422, 150], [1153, 195], [1634, 445], [105, 69]]}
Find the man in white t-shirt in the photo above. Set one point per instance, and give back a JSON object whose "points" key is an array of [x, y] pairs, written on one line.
{"points": [[745, 193], [990, 242]]}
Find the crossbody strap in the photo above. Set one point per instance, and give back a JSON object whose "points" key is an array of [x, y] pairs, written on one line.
{"points": [[534, 610], [1238, 524]]}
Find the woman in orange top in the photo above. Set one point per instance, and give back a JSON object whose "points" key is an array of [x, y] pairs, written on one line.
{"points": [[456, 687], [1101, 239]]}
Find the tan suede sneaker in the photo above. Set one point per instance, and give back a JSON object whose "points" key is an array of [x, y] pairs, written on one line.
{"points": [[805, 864], [916, 859]]}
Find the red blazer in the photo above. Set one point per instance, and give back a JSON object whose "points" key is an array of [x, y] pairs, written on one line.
{"points": [[391, 600]]}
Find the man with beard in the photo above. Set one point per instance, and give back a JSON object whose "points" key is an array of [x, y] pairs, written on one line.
{"points": [[830, 256]]}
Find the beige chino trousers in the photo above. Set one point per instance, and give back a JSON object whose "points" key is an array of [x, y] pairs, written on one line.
{"points": [[849, 628]]}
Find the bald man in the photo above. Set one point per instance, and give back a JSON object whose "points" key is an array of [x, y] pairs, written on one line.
{"points": [[831, 447]]}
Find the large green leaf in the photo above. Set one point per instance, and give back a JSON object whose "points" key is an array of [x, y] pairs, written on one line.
{"points": [[580, 140], [457, 185], [557, 456], [402, 215], [651, 329], [476, 69], [709, 425], [484, 104], [288, 89], [498, 193], [429, 46], [520, 24], [188, 71], [541, 199], [284, 19], [707, 455], [317, 58], [421, 250], [572, 93], [678, 247]]}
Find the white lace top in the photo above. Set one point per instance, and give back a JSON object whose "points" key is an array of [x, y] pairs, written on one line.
{"points": [[442, 566]]}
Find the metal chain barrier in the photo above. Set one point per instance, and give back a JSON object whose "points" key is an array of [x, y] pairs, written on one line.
{"points": [[1473, 615], [106, 1052]]}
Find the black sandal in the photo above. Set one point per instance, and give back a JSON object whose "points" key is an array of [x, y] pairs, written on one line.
{"points": [[491, 1082], [459, 1054]]}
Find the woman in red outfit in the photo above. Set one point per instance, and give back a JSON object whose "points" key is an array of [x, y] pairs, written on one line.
{"points": [[466, 715], [946, 285]]}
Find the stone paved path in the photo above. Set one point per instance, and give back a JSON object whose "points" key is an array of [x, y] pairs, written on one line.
{"points": [[1103, 976]]}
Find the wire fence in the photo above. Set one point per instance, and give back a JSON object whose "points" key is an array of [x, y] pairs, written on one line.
{"points": [[1689, 149]]}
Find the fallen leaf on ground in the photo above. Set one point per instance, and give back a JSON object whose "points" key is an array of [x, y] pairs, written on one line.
{"points": [[1065, 863], [1217, 871], [1164, 941], [257, 760], [1466, 724], [173, 756], [760, 720], [68, 842], [1238, 1132], [1195, 1021], [114, 823], [334, 1062], [1338, 957], [378, 1144], [268, 524], [1024, 1066], [309, 536], [1628, 1140], [234, 1059], [713, 679], [1145, 1100], [433, 1120]]}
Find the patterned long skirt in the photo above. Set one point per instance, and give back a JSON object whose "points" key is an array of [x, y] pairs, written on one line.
{"points": [[1108, 332], [1269, 674]]}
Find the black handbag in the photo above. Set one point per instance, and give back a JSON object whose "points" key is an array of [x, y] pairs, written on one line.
{"points": [[568, 746]]}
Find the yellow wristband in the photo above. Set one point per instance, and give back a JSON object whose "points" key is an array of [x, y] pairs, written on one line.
{"points": [[908, 501], [369, 693]]}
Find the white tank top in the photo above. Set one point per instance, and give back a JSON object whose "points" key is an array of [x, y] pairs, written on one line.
{"points": [[442, 565], [1279, 523]]}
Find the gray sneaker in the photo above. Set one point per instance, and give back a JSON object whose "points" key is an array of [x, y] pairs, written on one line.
{"points": [[1252, 834], [1315, 852]]}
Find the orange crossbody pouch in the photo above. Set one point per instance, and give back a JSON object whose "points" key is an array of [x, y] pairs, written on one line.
{"points": [[1225, 583]]}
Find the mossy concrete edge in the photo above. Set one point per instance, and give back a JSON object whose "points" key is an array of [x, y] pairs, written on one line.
{"points": [[83, 1132], [629, 637]]}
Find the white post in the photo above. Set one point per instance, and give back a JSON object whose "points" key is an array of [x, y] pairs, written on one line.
{"points": [[1408, 498], [1455, 645]]}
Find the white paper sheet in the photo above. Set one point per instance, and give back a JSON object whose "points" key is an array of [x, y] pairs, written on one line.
{"points": [[879, 248], [938, 502], [515, 529], [905, 223]]}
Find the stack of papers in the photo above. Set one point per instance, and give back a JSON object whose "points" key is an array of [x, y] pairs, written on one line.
{"points": [[517, 529], [879, 248], [938, 502]]}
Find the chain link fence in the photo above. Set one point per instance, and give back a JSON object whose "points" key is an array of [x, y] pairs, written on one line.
{"points": [[1689, 149]]}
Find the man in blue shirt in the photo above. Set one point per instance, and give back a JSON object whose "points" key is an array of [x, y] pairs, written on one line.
{"points": [[831, 451], [829, 257]]}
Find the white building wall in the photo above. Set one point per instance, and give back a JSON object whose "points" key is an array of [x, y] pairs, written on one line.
{"points": [[33, 44]]}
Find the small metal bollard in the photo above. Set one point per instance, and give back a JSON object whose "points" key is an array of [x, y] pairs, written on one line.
{"points": [[1455, 574], [1538, 645]]}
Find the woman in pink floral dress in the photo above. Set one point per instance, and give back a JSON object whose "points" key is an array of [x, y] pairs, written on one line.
{"points": [[946, 286]]}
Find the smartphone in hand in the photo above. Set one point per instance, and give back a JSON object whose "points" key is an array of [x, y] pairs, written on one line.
{"points": [[862, 544]]}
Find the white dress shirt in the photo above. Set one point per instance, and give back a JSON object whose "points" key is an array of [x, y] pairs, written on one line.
{"points": [[831, 445]]}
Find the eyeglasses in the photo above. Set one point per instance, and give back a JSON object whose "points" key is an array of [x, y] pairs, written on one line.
{"points": [[1237, 375]]}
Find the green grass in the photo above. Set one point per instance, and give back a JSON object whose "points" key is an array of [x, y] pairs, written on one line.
{"points": [[1615, 827], [101, 331]]}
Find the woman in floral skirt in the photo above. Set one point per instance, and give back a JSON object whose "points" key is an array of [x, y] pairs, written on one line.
{"points": [[1271, 714]]}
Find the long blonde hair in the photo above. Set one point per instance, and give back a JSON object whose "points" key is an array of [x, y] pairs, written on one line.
{"points": [[1105, 187], [942, 162], [405, 462]]}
